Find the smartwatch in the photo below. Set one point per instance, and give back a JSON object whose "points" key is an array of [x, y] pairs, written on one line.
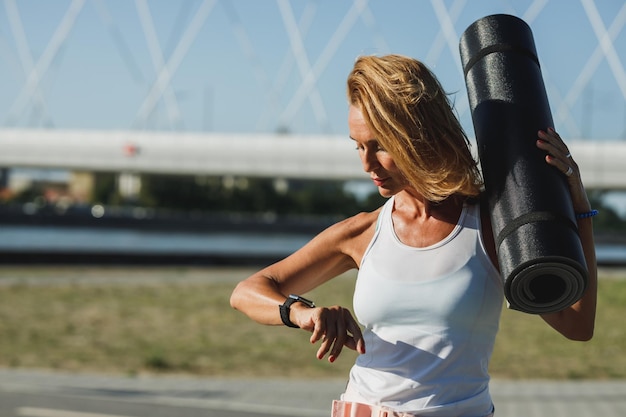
{"points": [[285, 308]]}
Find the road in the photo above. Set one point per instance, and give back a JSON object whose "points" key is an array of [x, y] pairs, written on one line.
{"points": [[59, 405], [55, 394], [26, 393]]}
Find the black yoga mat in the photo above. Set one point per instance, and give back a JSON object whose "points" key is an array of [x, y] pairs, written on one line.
{"points": [[539, 251]]}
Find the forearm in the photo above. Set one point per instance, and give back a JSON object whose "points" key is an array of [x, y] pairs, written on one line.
{"points": [[259, 297], [577, 322]]}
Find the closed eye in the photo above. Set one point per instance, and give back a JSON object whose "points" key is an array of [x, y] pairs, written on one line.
{"points": [[372, 144]]}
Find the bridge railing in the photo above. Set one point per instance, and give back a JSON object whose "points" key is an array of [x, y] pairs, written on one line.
{"points": [[253, 155]]}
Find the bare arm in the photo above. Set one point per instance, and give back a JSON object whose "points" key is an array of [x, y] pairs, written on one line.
{"points": [[259, 295], [576, 322], [332, 252]]}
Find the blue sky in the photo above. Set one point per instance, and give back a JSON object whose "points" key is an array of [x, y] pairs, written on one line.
{"points": [[237, 74]]}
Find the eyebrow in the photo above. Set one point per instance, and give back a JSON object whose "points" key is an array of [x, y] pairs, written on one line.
{"points": [[366, 141]]}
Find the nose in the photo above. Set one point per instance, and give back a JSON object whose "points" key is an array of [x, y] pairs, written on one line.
{"points": [[369, 161]]}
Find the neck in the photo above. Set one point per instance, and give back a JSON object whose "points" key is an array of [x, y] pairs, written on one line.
{"points": [[409, 201]]}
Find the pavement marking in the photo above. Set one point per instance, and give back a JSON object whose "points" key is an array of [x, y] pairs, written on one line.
{"points": [[48, 412]]}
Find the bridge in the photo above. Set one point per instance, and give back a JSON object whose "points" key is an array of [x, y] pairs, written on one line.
{"points": [[144, 86], [152, 73], [249, 155]]}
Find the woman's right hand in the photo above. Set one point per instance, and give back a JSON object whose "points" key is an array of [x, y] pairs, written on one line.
{"points": [[334, 326]]}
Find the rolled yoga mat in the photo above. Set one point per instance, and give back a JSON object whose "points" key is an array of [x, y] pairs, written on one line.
{"points": [[534, 226]]}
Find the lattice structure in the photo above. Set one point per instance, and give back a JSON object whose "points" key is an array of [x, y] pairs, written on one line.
{"points": [[274, 66]]}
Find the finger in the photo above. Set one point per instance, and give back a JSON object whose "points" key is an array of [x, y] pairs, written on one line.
{"points": [[325, 347], [317, 334], [351, 343], [321, 352], [328, 339], [340, 340], [558, 154], [551, 142], [318, 328], [357, 336], [567, 169], [356, 341]]}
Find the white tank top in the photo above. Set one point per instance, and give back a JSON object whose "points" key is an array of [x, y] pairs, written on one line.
{"points": [[430, 318]]}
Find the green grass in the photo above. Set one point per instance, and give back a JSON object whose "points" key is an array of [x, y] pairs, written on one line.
{"points": [[526, 347], [178, 320]]}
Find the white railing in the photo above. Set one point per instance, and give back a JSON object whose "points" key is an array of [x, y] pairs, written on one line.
{"points": [[290, 156]]}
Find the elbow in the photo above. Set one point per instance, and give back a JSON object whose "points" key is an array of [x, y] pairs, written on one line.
{"points": [[235, 297], [580, 334], [572, 327], [580, 338], [583, 337]]}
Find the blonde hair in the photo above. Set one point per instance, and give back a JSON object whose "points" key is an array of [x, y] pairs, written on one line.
{"points": [[407, 109]]}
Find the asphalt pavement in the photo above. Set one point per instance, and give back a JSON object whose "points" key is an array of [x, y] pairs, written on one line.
{"points": [[287, 397]]}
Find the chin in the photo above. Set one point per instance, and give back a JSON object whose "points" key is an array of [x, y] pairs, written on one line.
{"points": [[385, 193]]}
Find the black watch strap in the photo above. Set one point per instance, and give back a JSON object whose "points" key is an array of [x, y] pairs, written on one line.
{"points": [[285, 309]]}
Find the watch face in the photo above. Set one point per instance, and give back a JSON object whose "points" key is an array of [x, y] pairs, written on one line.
{"points": [[303, 300]]}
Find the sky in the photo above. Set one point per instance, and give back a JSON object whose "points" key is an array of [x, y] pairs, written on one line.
{"points": [[267, 66]]}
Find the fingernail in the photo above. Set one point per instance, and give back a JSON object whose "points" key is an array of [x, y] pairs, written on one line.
{"points": [[331, 359]]}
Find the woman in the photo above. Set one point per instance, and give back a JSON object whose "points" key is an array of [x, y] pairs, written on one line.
{"points": [[428, 293]]}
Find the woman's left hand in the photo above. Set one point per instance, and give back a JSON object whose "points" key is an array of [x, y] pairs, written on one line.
{"points": [[334, 327], [559, 156], [577, 321]]}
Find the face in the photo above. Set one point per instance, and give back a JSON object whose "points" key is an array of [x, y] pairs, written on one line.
{"points": [[376, 161]]}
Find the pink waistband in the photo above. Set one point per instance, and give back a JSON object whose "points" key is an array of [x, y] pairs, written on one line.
{"points": [[352, 409]]}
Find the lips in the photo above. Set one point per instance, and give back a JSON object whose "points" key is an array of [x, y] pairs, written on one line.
{"points": [[379, 181]]}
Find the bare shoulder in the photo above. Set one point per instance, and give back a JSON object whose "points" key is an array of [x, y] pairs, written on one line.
{"points": [[335, 250], [355, 233], [357, 225], [349, 236]]}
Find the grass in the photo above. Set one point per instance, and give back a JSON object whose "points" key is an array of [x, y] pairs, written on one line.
{"points": [[178, 320]]}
